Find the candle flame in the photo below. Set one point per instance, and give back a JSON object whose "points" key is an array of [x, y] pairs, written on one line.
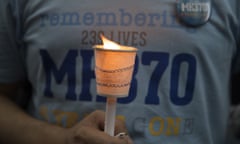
{"points": [[108, 44]]}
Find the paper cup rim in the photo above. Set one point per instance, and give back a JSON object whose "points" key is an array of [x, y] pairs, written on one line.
{"points": [[125, 48]]}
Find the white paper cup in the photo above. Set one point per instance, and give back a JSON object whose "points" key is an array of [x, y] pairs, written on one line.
{"points": [[113, 70]]}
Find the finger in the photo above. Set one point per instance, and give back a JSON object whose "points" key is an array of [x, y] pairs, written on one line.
{"points": [[88, 135], [125, 137], [98, 118], [120, 127], [94, 120], [89, 131]]}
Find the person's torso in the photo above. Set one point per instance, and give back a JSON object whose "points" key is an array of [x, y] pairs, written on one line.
{"points": [[179, 92]]}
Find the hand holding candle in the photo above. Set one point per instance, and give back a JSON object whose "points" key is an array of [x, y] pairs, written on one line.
{"points": [[114, 66]]}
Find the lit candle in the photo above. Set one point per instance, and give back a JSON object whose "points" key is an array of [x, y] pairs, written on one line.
{"points": [[114, 66]]}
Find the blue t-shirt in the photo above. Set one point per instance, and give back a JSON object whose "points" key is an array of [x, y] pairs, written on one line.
{"points": [[180, 88]]}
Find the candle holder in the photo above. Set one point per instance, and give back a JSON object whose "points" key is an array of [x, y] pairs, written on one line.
{"points": [[113, 69]]}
